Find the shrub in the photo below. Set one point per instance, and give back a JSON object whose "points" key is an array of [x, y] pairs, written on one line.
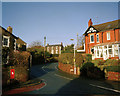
{"points": [[98, 62], [89, 70], [87, 57]]}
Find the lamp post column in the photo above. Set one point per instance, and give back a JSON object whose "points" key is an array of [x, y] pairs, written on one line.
{"points": [[74, 61]]}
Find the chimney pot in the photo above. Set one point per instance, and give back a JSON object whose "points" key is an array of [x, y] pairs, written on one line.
{"points": [[90, 23], [9, 29]]}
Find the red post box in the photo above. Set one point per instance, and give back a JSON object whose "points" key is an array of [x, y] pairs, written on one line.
{"points": [[12, 73]]}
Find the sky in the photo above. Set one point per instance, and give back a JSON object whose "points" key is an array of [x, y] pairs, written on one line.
{"points": [[58, 21]]}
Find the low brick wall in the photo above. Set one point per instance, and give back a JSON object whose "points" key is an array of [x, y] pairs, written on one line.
{"points": [[115, 76], [68, 68]]}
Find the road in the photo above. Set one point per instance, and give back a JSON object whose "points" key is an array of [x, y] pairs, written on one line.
{"points": [[60, 83]]}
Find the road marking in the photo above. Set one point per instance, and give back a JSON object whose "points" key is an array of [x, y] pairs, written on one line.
{"points": [[63, 77], [56, 67], [105, 88], [44, 69]]}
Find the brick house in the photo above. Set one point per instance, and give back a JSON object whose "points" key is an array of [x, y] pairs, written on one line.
{"points": [[54, 49], [103, 40], [11, 41]]}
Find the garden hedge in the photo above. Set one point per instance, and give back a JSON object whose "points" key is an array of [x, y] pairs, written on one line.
{"points": [[68, 58]]}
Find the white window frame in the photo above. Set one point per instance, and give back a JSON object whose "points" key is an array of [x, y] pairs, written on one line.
{"points": [[56, 49], [108, 35], [52, 50], [7, 37], [15, 45], [97, 36], [93, 38]]}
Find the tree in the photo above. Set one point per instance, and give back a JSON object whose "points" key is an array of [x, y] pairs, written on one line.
{"points": [[81, 41], [68, 49], [35, 43]]}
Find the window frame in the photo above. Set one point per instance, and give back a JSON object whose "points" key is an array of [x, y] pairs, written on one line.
{"points": [[93, 38], [108, 36], [97, 38], [7, 37]]}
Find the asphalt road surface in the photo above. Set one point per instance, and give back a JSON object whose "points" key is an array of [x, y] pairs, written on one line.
{"points": [[60, 83]]}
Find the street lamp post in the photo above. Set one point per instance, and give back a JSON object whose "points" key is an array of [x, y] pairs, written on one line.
{"points": [[74, 58]]}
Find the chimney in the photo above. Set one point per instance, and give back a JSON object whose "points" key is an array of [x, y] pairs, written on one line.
{"points": [[90, 23], [9, 29]]}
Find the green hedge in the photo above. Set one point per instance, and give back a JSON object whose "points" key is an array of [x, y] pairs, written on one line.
{"points": [[68, 58], [112, 62], [113, 68]]}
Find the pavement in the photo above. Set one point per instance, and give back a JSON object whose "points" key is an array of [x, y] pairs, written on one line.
{"points": [[30, 85]]}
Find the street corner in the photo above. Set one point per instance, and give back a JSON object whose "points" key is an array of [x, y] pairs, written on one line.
{"points": [[26, 87]]}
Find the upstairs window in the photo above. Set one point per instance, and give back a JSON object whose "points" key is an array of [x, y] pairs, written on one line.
{"points": [[108, 35], [5, 41], [91, 38], [97, 37]]}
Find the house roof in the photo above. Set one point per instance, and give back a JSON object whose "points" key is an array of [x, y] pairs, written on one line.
{"points": [[19, 39], [8, 32], [55, 45], [106, 26]]}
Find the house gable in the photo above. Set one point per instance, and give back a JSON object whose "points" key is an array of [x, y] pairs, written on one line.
{"points": [[91, 29]]}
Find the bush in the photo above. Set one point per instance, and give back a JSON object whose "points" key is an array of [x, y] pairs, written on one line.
{"points": [[98, 62], [88, 58], [89, 70]]}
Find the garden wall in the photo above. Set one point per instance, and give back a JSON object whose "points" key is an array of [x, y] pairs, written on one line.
{"points": [[115, 76], [68, 68]]}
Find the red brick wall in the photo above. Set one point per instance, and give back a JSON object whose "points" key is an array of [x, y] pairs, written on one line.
{"points": [[114, 76], [67, 68]]}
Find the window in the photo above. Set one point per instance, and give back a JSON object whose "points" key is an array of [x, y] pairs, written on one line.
{"points": [[92, 50], [97, 37], [5, 41], [115, 50], [56, 49], [108, 35], [52, 51], [110, 51], [91, 38]]}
